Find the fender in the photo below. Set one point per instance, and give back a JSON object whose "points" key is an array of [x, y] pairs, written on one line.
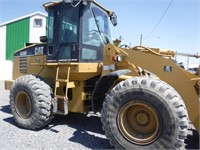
{"points": [[102, 87]]}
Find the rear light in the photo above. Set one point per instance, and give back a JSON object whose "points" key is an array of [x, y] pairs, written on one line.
{"points": [[117, 58]]}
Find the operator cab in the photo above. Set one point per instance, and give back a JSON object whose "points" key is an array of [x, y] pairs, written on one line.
{"points": [[77, 31]]}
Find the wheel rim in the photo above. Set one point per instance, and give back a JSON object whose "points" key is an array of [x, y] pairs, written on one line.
{"points": [[23, 105], [139, 122]]}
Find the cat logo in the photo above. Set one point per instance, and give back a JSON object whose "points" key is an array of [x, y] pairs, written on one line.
{"points": [[167, 68], [39, 50]]}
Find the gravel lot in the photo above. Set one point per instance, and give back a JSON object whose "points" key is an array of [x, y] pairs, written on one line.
{"points": [[74, 131]]}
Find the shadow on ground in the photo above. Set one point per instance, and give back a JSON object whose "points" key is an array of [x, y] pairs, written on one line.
{"points": [[192, 141], [12, 121], [88, 130], [6, 109]]}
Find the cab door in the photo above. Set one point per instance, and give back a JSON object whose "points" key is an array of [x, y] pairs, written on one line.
{"points": [[63, 27]]}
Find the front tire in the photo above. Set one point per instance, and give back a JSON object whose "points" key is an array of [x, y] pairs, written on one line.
{"points": [[31, 102], [144, 113]]}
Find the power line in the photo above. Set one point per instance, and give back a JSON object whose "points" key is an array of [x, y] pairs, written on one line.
{"points": [[159, 20]]}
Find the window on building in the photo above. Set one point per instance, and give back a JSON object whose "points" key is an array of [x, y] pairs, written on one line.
{"points": [[37, 23]]}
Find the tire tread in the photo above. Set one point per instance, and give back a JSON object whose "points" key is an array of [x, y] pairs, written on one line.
{"points": [[42, 114], [162, 88]]}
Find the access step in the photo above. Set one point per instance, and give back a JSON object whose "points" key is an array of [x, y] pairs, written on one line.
{"points": [[62, 80]]}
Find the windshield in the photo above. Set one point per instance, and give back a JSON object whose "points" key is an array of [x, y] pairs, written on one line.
{"points": [[95, 34], [102, 23], [96, 28]]}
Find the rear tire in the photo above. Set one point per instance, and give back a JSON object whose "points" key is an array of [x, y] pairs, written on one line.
{"points": [[31, 102], [144, 113]]}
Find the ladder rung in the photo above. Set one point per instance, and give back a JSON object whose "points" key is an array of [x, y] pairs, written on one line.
{"points": [[65, 111], [61, 80], [60, 112], [60, 96]]}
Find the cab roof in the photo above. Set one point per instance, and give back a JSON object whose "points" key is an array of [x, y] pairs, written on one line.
{"points": [[49, 4]]}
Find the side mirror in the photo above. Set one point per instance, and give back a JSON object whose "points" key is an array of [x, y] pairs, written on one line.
{"points": [[113, 19], [43, 39]]}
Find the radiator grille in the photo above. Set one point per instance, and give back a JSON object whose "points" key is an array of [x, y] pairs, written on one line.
{"points": [[23, 64]]}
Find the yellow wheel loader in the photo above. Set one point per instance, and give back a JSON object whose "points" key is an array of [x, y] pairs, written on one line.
{"points": [[145, 99]]}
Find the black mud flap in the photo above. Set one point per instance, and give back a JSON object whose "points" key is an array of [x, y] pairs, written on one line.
{"points": [[102, 87]]}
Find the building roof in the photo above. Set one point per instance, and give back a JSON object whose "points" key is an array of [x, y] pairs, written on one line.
{"points": [[23, 17]]}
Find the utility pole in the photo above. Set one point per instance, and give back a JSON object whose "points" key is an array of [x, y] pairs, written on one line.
{"points": [[176, 56], [188, 63], [141, 39], [120, 38]]}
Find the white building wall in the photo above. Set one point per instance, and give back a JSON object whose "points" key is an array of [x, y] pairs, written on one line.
{"points": [[37, 31], [5, 65], [2, 43], [6, 68]]}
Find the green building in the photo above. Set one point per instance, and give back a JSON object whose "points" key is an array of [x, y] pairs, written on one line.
{"points": [[16, 33]]}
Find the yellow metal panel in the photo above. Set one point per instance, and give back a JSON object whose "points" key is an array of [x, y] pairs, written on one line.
{"points": [[89, 67], [8, 84], [16, 68], [72, 84], [154, 63], [176, 79], [77, 103], [78, 71]]}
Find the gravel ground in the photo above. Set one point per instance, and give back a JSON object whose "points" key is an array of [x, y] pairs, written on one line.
{"points": [[74, 131]]}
